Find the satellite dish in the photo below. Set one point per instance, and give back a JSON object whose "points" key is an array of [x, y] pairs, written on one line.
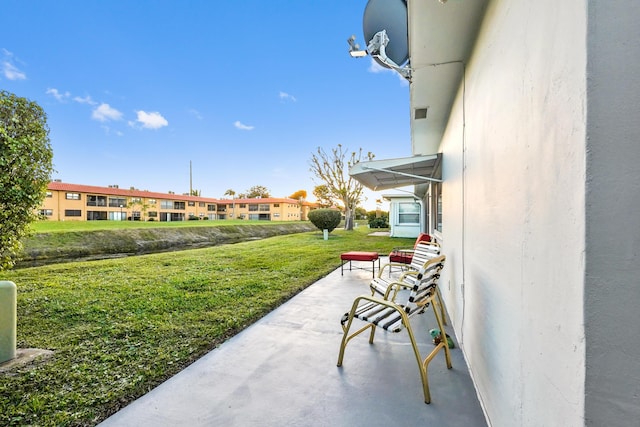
{"points": [[389, 15]]}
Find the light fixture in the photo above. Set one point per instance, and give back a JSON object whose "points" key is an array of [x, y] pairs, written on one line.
{"points": [[354, 48]]}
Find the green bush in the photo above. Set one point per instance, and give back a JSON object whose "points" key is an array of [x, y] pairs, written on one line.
{"points": [[378, 220], [325, 219]]}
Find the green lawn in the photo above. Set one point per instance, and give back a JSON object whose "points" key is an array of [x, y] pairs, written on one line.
{"points": [[120, 327]]}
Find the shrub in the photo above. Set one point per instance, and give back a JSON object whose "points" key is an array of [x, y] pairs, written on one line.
{"points": [[378, 219], [325, 219]]}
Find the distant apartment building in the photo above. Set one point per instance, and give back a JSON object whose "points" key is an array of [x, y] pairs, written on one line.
{"points": [[76, 202]]}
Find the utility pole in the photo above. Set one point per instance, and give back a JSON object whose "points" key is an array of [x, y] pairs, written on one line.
{"points": [[190, 179]]}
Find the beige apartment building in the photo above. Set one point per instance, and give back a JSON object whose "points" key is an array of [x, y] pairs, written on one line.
{"points": [[76, 202]]}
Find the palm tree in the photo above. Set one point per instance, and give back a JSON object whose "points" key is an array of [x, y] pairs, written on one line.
{"points": [[232, 193]]}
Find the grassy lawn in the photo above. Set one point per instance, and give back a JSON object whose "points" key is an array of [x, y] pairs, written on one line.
{"points": [[120, 327]]}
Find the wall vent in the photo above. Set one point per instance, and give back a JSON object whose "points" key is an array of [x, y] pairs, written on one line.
{"points": [[420, 113]]}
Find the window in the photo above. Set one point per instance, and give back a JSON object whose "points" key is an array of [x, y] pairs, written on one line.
{"points": [[436, 208], [152, 214], [211, 208], [152, 202], [261, 217], [72, 212], [117, 216], [96, 215], [253, 208], [263, 207], [46, 212], [72, 196], [201, 204], [49, 194], [93, 200], [117, 202], [171, 216], [136, 200], [192, 203], [409, 213], [276, 215], [243, 206], [135, 215], [276, 205], [439, 208], [178, 205], [166, 204]]}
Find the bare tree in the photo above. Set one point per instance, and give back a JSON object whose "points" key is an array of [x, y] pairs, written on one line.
{"points": [[333, 169]]}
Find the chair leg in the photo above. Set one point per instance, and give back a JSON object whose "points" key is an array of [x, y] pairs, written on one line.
{"points": [[442, 313], [422, 366], [346, 337], [443, 341]]}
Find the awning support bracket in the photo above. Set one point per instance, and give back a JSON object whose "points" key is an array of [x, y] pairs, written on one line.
{"points": [[425, 178]]}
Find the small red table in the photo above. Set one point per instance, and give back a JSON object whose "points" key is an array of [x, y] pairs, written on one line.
{"points": [[359, 256]]}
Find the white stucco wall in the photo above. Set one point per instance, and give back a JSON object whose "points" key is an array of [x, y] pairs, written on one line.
{"points": [[612, 284], [514, 208], [403, 230]]}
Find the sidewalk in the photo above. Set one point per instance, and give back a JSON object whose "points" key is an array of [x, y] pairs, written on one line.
{"points": [[282, 371]]}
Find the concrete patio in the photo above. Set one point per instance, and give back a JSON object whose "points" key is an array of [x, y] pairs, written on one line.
{"points": [[282, 371]]}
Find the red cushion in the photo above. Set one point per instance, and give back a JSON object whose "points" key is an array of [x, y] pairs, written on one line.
{"points": [[359, 256], [402, 257], [422, 237]]}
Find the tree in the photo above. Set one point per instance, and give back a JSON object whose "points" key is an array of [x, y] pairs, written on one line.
{"points": [[232, 193], [361, 213], [299, 195], [257, 191], [26, 166], [142, 203], [323, 196], [333, 170]]}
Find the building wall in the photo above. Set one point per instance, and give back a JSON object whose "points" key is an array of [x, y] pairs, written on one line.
{"points": [[514, 209], [56, 205], [404, 229], [612, 286]]}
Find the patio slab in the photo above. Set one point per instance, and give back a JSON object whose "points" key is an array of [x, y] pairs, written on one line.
{"points": [[282, 371]]}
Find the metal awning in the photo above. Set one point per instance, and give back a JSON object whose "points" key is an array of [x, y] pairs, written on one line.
{"points": [[393, 173]]}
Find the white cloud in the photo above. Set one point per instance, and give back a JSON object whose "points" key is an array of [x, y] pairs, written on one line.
{"points": [[104, 112], [57, 95], [241, 126], [195, 113], [86, 100], [153, 120], [376, 68], [285, 96], [11, 72], [7, 67]]}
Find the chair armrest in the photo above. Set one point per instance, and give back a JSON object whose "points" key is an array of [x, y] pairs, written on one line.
{"points": [[406, 249], [389, 264]]}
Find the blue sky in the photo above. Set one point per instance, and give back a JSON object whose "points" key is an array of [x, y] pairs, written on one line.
{"points": [[246, 90]]}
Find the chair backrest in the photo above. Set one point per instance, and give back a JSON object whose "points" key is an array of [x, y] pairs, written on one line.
{"points": [[423, 252], [425, 284], [422, 237]]}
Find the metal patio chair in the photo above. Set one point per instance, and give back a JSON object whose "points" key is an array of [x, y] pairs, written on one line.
{"points": [[394, 315], [423, 252]]}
